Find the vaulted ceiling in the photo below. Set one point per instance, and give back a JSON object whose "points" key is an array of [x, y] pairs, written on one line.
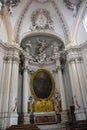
{"points": [[61, 18]]}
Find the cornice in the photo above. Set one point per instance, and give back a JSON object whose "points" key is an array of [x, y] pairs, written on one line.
{"points": [[72, 49], [83, 46]]}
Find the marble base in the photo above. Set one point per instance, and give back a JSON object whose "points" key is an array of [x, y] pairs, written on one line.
{"points": [[4, 120], [8, 119], [13, 118], [26, 118], [80, 114], [64, 116]]}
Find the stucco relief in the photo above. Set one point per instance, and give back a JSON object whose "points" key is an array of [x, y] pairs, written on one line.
{"points": [[41, 20], [42, 49]]}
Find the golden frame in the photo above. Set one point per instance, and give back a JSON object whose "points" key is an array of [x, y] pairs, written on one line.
{"points": [[31, 84]]}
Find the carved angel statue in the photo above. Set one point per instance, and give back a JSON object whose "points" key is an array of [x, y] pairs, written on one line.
{"points": [[41, 45]]}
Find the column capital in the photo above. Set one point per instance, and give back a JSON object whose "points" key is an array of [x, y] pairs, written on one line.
{"points": [[7, 59], [16, 59], [75, 58]]}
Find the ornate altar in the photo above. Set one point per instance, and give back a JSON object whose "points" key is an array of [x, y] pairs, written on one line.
{"points": [[42, 88]]}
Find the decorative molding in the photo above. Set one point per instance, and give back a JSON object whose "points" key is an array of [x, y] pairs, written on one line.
{"points": [[41, 20]]}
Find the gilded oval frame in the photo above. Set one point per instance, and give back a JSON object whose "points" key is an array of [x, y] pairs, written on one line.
{"points": [[32, 80]]}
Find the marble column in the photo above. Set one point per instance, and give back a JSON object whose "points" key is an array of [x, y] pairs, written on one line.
{"points": [[64, 114], [14, 88], [76, 89]]}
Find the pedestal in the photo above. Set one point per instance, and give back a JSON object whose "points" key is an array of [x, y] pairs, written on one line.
{"points": [[26, 118], [64, 116], [13, 119]]}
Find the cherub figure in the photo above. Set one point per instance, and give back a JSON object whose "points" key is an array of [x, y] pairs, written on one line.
{"points": [[55, 47], [28, 46]]}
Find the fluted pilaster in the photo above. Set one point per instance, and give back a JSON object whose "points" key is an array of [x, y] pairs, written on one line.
{"points": [[75, 73], [14, 86]]}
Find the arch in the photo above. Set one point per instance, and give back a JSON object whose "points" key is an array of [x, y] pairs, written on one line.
{"points": [[46, 33]]}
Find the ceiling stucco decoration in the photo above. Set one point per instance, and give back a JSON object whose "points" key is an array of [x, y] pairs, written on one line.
{"points": [[42, 48], [61, 18], [41, 20], [73, 5]]}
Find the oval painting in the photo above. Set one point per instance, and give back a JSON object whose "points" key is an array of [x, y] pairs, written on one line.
{"points": [[42, 84]]}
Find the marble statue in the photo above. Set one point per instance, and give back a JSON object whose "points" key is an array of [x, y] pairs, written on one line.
{"points": [[15, 106], [31, 100]]}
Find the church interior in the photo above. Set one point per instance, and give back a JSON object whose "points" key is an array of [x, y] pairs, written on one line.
{"points": [[43, 64]]}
